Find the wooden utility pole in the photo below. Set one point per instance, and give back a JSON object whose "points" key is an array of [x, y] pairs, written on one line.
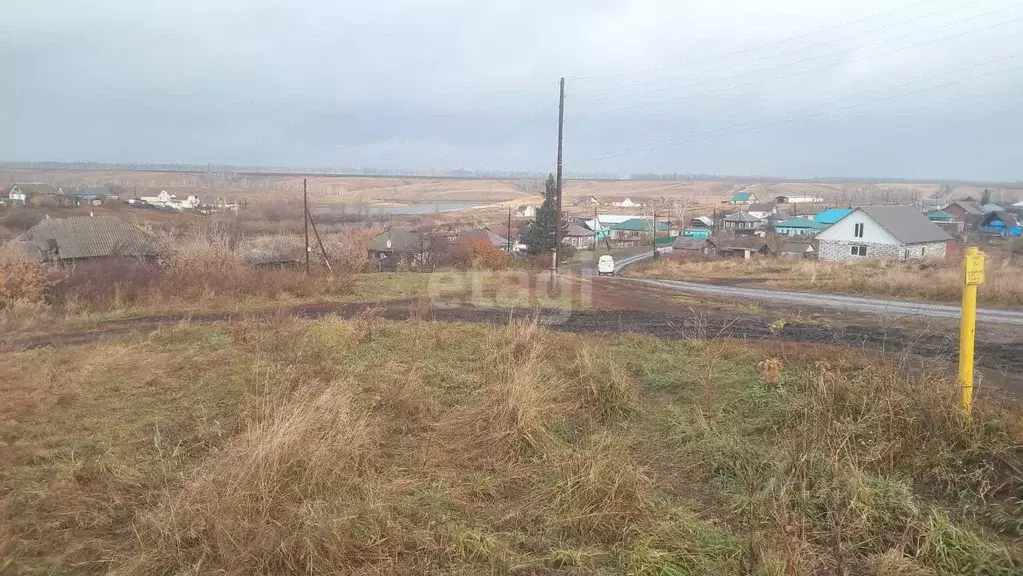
{"points": [[305, 219], [323, 251], [557, 211], [654, 235], [509, 231]]}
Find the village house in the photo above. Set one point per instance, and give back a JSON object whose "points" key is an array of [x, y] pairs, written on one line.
{"points": [[742, 223], [883, 232], [797, 250], [798, 200], [623, 203], [799, 227], [967, 212], [702, 222], [394, 247], [743, 248], [526, 211], [489, 237], [1001, 223], [684, 247], [579, 236], [744, 198], [761, 210], [64, 240], [946, 221], [22, 193]]}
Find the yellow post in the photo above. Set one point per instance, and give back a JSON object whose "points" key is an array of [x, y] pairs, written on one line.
{"points": [[973, 268]]}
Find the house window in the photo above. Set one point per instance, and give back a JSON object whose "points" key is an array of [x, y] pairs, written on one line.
{"points": [[859, 250], [858, 230]]}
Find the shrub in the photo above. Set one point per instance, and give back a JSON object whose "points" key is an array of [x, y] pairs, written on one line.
{"points": [[479, 253], [23, 281]]}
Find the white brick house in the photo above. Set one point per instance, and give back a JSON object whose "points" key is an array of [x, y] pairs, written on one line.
{"points": [[883, 232]]}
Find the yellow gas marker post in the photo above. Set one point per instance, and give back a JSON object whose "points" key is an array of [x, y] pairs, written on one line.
{"points": [[973, 277]]}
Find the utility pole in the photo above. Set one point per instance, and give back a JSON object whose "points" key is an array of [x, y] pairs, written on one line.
{"points": [[509, 231], [305, 219], [654, 235], [557, 211], [596, 232]]}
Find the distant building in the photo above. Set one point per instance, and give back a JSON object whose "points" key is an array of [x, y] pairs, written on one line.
{"points": [[22, 193], [526, 211], [742, 222], [77, 238], [989, 208], [579, 236], [496, 241], [1001, 223], [761, 210], [964, 210], [798, 200], [940, 216], [623, 203], [883, 232], [744, 198], [701, 222], [395, 247]]}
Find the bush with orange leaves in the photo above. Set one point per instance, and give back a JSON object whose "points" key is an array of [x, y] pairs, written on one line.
{"points": [[479, 253], [23, 281]]}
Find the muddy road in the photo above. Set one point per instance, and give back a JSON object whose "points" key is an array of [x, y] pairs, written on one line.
{"points": [[647, 316]]}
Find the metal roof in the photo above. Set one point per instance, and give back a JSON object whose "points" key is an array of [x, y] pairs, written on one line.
{"points": [[968, 207], [800, 223], [832, 215], [742, 217], [401, 241], [741, 196], [484, 234], [797, 247], [85, 237], [906, 223]]}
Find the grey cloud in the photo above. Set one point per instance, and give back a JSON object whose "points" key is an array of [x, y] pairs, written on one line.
{"points": [[460, 84]]}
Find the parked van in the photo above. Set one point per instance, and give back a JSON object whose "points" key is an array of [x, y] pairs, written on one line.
{"points": [[606, 265]]}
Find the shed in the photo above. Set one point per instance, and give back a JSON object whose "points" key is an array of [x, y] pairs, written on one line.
{"points": [[798, 250]]}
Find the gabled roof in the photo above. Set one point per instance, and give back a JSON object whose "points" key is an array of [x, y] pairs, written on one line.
{"points": [[85, 237], [798, 247], [684, 243], [907, 224], [760, 207], [742, 217], [576, 230], [940, 216], [801, 223], [705, 220], [1007, 217], [37, 189], [968, 207], [742, 196], [401, 241], [992, 208], [832, 215], [487, 235], [638, 225]]}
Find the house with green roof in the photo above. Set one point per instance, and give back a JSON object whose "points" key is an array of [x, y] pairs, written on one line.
{"points": [[799, 227], [744, 198], [635, 230], [940, 216]]}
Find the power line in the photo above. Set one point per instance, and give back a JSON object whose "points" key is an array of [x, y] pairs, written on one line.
{"points": [[830, 54], [799, 73], [747, 127], [760, 47]]}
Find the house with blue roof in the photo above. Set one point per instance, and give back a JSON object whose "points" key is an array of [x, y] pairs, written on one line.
{"points": [[832, 215]]}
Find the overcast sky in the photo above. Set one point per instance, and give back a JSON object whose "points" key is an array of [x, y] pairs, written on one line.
{"points": [[790, 88]]}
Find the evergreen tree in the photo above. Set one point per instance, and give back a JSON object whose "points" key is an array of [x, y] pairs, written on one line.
{"points": [[539, 237], [985, 197]]}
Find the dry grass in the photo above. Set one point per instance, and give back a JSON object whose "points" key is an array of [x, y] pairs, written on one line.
{"points": [[926, 280], [367, 447]]}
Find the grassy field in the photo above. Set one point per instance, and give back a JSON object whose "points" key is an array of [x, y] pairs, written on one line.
{"points": [[368, 447], [939, 280]]}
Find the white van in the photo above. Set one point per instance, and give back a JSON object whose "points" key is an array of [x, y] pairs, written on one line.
{"points": [[606, 265]]}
